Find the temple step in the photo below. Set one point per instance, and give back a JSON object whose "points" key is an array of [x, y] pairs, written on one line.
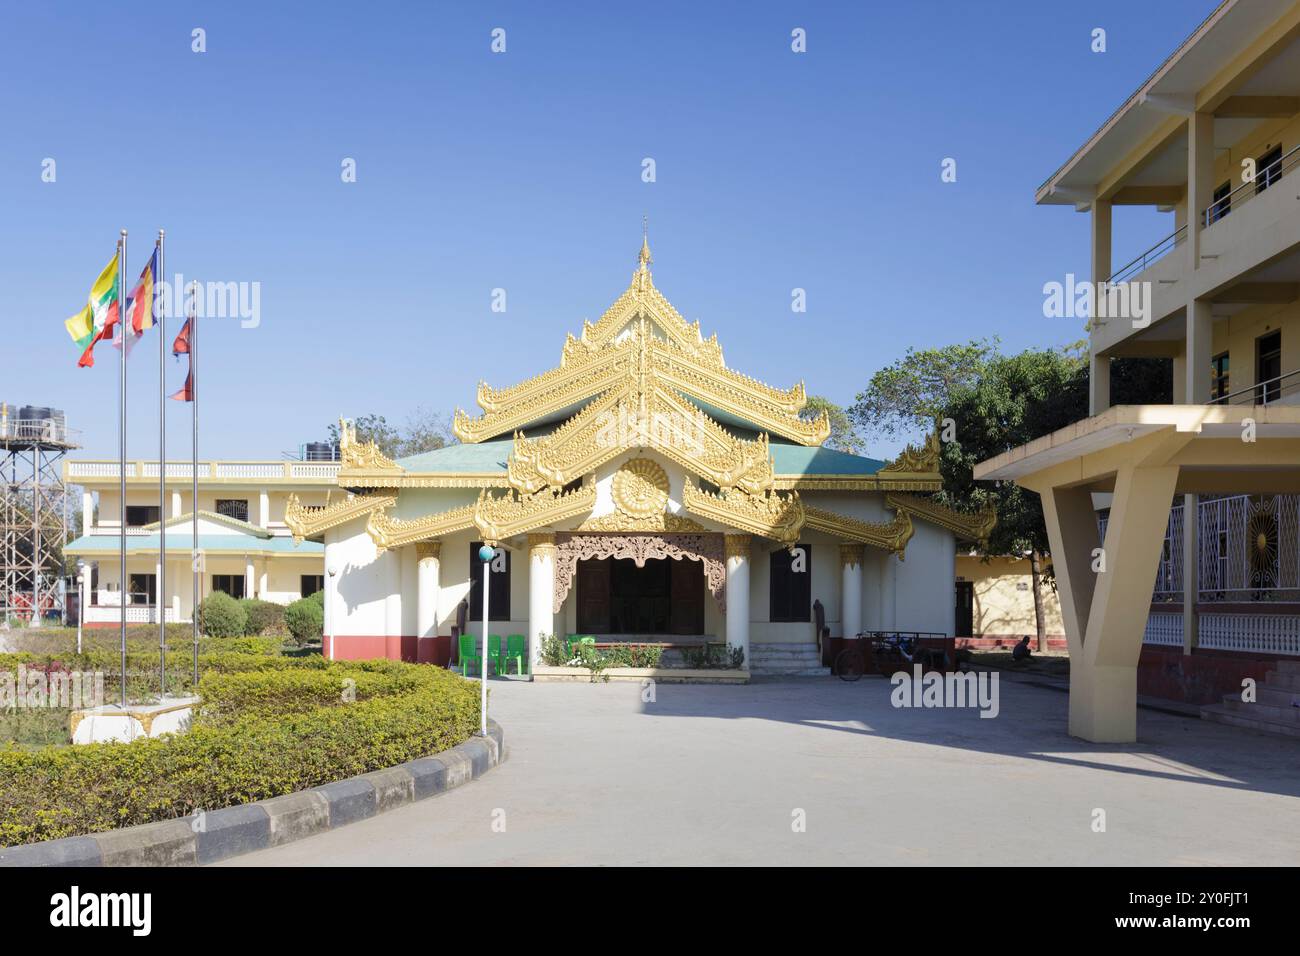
{"points": [[1231, 715], [787, 659]]}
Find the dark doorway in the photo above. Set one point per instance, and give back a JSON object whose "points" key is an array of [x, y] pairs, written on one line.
{"points": [[664, 596], [1268, 368], [965, 609]]}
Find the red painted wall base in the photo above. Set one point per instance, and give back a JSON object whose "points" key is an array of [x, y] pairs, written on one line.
{"points": [[408, 647], [1202, 677]]}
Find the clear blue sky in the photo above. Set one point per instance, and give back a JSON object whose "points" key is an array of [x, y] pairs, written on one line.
{"points": [[523, 171]]}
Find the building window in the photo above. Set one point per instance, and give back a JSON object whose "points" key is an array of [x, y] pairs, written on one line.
{"points": [[236, 508], [790, 587], [232, 584], [139, 515], [1268, 168], [1268, 368], [499, 589], [1219, 377], [1222, 204], [310, 584], [142, 589]]}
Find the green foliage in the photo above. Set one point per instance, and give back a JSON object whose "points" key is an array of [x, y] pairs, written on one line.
{"points": [[268, 726], [305, 619], [425, 430], [844, 436], [635, 655], [264, 617], [553, 651], [714, 657], [905, 399], [220, 615]]}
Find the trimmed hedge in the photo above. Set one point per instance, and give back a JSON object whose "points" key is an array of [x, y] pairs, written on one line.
{"points": [[262, 617], [220, 615], [305, 618], [268, 726]]}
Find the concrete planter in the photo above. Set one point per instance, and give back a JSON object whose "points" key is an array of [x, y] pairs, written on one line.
{"points": [[664, 675]]}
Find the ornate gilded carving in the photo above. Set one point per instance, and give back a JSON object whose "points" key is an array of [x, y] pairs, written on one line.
{"points": [[913, 460], [307, 522], [891, 535], [509, 515], [617, 521], [851, 555], [967, 527], [541, 544], [389, 532], [361, 456], [771, 515], [705, 548], [428, 549], [737, 545], [640, 488]]}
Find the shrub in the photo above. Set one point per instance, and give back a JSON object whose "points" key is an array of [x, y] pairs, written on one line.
{"points": [[268, 726], [305, 619], [553, 652], [220, 615], [264, 617]]}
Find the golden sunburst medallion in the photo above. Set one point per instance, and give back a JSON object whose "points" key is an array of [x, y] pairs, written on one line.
{"points": [[640, 488]]}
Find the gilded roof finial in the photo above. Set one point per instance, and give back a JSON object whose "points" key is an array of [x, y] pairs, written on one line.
{"points": [[645, 257]]}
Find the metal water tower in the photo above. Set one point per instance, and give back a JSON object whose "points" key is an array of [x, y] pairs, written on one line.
{"points": [[33, 513]]}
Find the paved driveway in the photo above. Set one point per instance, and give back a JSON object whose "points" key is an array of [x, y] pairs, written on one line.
{"points": [[719, 775]]}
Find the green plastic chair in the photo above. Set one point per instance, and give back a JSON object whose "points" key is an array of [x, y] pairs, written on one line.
{"points": [[569, 641], [495, 657], [468, 651], [517, 651]]}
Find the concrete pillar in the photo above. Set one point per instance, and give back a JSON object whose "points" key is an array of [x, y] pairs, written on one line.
{"points": [[87, 511], [1098, 383], [1198, 352], [541, 592], [736, 549], [1191, 570], [889, 593], [158, 598], [851, 589], [1200, 180], [250, 583], [263, 508], [263, 582], [176, 504]]}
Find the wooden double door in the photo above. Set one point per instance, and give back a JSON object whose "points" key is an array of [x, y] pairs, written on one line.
{"points": [[664, 596]]}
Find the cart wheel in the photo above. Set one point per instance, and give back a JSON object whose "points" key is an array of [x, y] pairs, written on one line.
{"points": [[849, 665]]}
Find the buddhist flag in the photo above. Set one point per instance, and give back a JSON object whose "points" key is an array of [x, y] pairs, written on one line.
{"points": [[140, 303], [95, 322], [182, 347]]}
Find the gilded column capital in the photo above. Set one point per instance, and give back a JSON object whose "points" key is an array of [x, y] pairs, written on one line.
{"points": [[851, 555], [428, 549], [736, 545], [541, 544]]}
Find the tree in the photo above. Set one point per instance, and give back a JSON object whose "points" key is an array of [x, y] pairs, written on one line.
{"points": [[425, 430], [905, 398], [844, 436]]}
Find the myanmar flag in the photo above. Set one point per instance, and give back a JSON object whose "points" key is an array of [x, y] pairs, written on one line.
{"points": [[95, 322]]}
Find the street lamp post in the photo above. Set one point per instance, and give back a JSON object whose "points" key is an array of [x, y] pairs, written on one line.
{"points": [[81, 599], [329, 596], [485, 555]]}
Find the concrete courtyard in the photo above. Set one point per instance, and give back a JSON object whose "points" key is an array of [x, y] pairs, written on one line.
{"points": [[719, 775]]}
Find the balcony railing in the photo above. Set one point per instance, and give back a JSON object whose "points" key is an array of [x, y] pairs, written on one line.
{"points": [[1264, 393], [1264, 179], [1151, 256], [248, 470]]}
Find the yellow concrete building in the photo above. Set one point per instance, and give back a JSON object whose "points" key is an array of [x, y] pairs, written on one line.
{"points": [[1213, 138]]}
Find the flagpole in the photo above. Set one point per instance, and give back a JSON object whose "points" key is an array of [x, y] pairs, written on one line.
{"points": [[160, 319], [121, 447], [194, 472]]}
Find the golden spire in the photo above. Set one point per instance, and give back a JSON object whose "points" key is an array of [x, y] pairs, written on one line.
{"points": [[645, 257]]}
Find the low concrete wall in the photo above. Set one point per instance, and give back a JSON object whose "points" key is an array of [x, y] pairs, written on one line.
{"points": [[217, 834], [1202, 677], [663, 675]]}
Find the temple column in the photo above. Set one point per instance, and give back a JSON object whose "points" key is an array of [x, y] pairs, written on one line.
{"points": [[541, 592], [428, 572], [736, 549], [851, 589]]}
